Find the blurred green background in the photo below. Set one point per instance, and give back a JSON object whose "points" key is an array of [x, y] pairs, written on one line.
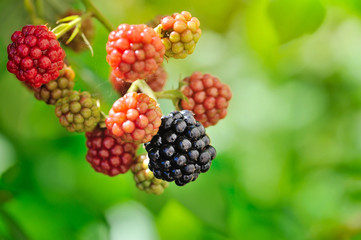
{"points": [[289, 151]]}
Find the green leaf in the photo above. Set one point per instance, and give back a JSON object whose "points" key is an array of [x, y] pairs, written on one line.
{"points": [[295, 18]]}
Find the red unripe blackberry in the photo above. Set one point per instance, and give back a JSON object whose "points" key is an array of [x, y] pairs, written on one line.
{"points": [[180, 33], [208, 98], [108, 154], [144, 178], [35, 56], [87, 28], [156, 81], [56, 89], [181, 149], [134, 51], [119, 84], [135, 117]]}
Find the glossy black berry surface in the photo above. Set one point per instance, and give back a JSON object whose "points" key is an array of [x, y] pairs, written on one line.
{"points": [[181, 149]]}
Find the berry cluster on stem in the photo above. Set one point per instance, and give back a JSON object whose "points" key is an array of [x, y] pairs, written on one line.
{"points": [[178, 148]]}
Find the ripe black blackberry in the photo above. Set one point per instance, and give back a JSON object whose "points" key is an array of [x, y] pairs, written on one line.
{"points": [[181, 149]]}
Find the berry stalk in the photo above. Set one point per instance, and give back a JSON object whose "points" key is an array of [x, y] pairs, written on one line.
{"points": [[174, 95], [143, 87], [30, 8], [39, 5], [98, 15]]}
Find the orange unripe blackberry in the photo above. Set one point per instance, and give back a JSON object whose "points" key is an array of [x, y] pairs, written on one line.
{"points": [[134, 51], [135, 117]]}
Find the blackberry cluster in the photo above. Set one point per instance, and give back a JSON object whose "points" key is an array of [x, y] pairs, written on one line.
{"points": [[181, 149]]}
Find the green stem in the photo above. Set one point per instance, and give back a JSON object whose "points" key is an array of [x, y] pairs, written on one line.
{"points": [[15, 230], [40, 8], [98, 15], [174, 94], [64, 28], [30, 8], [143, 87]]}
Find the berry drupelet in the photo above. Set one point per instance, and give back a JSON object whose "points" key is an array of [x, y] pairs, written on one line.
{"points": [[35, 56], [56, 89], [181, 150], [135, 117], [134, 51], [207, 97], [144, 178], [78, 112], [180, 33], [108, 154]]}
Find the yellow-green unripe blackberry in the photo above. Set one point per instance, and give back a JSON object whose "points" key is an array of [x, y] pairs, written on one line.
{"points": [[78, 112], [180, 33], [144, 178]]}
